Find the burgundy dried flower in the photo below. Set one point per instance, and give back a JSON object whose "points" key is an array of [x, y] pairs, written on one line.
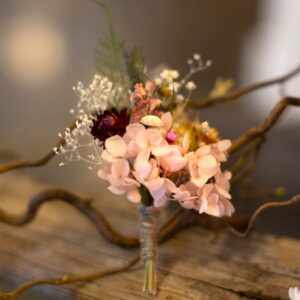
{"points": [[110, 123]]}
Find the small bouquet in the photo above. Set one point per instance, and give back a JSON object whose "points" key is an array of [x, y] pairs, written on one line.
{"points": [[144, 145]]}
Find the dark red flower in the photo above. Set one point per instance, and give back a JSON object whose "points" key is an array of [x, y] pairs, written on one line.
{"points": [[110, 123]]}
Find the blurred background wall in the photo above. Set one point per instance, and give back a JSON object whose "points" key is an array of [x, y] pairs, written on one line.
{"points": [[47, 46]]}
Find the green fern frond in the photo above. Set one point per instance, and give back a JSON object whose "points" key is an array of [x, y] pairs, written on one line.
{"points": [[109, 55], [112, 60], [136, 66]]}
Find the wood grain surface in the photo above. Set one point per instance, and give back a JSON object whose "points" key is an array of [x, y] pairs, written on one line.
{"points": [[194, 265]]}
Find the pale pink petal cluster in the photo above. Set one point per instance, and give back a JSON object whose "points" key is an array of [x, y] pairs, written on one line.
{"points": [[144, 157], [143, 101]]}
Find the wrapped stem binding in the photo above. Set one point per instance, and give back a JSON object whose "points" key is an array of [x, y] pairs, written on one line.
{"points": [[148, 231]]}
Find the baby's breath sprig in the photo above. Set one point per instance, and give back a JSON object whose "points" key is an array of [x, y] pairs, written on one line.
{"points": [[170, 85], [99, 96], [196, 64]]}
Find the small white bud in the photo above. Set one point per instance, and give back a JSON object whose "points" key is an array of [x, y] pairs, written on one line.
{"points": [[197, 56], [151, 120], [190, 61], [190, 86]]}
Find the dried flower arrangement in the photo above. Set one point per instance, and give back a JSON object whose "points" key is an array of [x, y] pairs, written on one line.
{"points": [[146, 147], [134, 130]]}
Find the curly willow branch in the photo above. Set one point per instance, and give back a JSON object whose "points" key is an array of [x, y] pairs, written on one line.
{"points": [[22, 163], [239, 174], [25, 163], [266, 125], [82, 205], [66, 279], [175, 224], [209, 101], [261, 209]]}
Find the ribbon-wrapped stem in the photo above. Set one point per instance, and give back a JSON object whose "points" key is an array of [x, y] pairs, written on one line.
{"points": [[148, 240]]}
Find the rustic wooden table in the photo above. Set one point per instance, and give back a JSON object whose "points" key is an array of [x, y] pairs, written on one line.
{"points": [[191, 266]]}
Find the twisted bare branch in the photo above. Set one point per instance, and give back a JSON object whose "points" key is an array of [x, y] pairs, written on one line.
{"points": [[173, 226], [209, 101], [26, 163], [66, 279], [261, 209], [84, 206], [266, 125], [255, 149]]}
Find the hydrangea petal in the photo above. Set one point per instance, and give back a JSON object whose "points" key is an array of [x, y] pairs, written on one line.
{"points": [[116, 146], [120, 168], [134, 196], [133, 129], [102, 173], [167, 121], [203, 150], [115, 190], [222, 192], [207, 165], [223, 145], [186, 143], [212, 205], [161, 150]]}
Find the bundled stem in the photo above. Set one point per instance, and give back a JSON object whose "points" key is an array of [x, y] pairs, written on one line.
{"points": [[148, 239]]}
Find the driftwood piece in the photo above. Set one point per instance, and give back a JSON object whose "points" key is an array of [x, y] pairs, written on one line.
{"points": [[192, 265]]}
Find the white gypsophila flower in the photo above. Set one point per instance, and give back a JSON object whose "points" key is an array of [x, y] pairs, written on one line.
{"points": [[196, 56], [93, 100], [205, 127], [179, 99], [98, 96], [190, 86], [79, 143], [169, 75], [158, 81], [294, 293], [173, 87], [196, 65]]}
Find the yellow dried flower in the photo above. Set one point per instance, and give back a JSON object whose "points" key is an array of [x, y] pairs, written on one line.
{"points": [[198, 133], [222, 87]]}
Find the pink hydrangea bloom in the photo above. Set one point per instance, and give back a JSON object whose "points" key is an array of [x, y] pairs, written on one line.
{"points": [[174, 161], [139, 137], [214, 197], [120, 182], [186, 195], [201, 167], [144, 157]]}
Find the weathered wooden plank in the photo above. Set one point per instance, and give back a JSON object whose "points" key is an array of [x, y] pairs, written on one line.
{"points": [[192, 266]]}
